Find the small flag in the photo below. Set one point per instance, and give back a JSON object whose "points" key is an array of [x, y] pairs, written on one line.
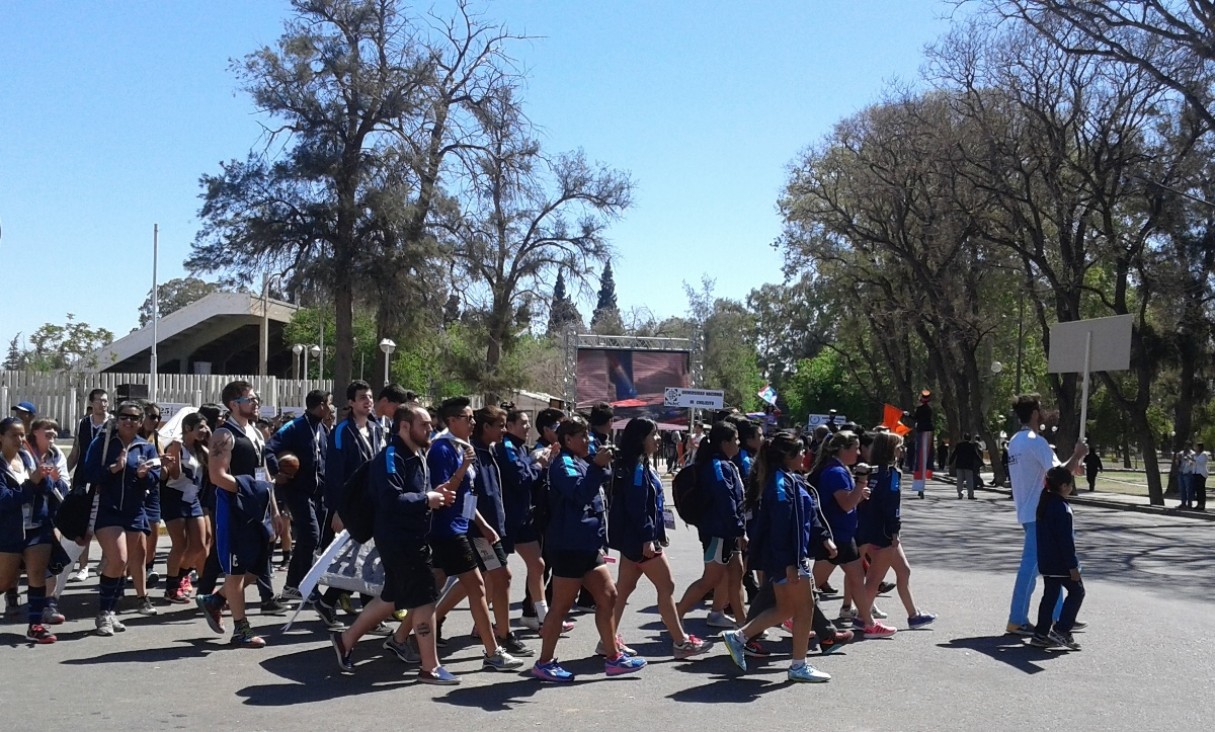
{"points": [[768, 394]]}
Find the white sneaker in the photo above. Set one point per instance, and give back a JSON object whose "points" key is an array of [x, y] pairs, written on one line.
{"points": [[878, 614], [531, 622], [105, 624], [720, 620], [79, 575], [847, 613]]}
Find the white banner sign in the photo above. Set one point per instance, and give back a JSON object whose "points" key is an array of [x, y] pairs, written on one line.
{"points": [[815, 420], [677, 396]]}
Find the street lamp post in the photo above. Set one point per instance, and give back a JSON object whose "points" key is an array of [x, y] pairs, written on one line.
{"points": [[315, 350], [387, 346]]}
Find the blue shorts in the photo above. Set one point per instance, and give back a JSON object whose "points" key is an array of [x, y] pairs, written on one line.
{"points": [[719, 550], [32, 538], [172, 507], [126, 520]]}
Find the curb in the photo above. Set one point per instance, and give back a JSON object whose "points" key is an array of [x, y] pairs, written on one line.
{"points": [[1083, 500]]}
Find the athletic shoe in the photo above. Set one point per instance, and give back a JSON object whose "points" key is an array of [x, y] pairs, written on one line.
{"points": [[291, 594], [52, 616], [531, 622], [788, 626], [105, 624], [885, 587], [214, 613], [439, 677], [877, 630], [736, 646], [176, 596], [620, 647], [1026, 630], [146, 607], [407, 651], [344, 659], [346, 605], [1063, 639], [1079, 625], [831, 645], [382, 629], [515, 647], [846, 614], [826, 589], [692, 646], [720, 620], [921, 495], [118, 625], [878, 614], [12, 604], [187, 587], [807, 674], [247, 638], [500, 661], [551, 671], [623, 664], [858, 625], [39, 635], [274, 606], [755, 649], [920, 620], [79, 575], [1041, 641], [328, 614], [151, 577]]}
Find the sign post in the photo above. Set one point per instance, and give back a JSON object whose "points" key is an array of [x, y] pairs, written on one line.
{"points": [[1085, 346]]}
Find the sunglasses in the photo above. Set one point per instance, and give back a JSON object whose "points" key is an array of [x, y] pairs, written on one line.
{"points": [[152, 417], [130, 417], [248, 399]]}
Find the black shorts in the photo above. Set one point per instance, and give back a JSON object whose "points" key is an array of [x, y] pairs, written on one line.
{"points": [[878, 540], [249, 555], [845, 552], [574, 565], [489, 556], [409, 582], [453, 555], [635, 555]]}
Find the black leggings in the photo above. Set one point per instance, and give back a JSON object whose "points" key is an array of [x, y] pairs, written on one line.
{"points": [[766, 598], [1050, 597]]}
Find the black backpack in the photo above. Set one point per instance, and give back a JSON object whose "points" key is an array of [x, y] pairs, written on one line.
{"points": [[689, 494], [357, 509]]}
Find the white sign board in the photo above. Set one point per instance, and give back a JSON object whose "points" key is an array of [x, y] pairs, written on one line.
{"points": [[815, 420], [1109, 349], [170, 409], [677, 396]]}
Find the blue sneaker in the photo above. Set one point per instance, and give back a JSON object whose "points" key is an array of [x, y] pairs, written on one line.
{"points": [[808, 674], [623, 664], [551, 671], [440, 677], [737, 646], [920, 620]]}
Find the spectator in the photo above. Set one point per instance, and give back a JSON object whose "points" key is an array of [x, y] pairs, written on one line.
{"points": [[1092, 466]]}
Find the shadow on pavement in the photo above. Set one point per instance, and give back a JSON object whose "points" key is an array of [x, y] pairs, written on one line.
{"points": [[735, 690], [1008, 649]]}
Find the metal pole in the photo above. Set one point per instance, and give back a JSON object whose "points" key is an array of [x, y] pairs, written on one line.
{"points": [[263, 351], [320, 359], [1088, 350], [153, 365], [387, 355], [305, 354]]}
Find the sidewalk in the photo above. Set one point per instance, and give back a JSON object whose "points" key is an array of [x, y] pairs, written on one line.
{"points": [[1104, 499]]}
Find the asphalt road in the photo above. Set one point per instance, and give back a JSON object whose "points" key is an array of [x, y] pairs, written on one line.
{"points": [[1146, 662]]}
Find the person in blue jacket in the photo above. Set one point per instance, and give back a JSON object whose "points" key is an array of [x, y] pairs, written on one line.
{"points": [[27, 491], [787, 522], [1057, 562], [575, 543], [521, 472], [723, 530], [307, 438], [637, 528], [879, 522], [123, 467]]}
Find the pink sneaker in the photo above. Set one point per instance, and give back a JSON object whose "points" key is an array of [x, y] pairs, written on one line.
{"points": [[877, 630]]}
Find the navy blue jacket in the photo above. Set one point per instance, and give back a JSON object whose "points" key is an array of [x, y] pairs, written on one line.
{"points": [[15, 495], [121, 492], [1056, 536], [520, 474], [443, 459], [488, 487], [576, 505], [879, 517], [743, 462], [399, 481], [346, 451], [636, 513], [308, 439], [724, 517], [789, 529]]}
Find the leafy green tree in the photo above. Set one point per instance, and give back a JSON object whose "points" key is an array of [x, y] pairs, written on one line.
{"points": [[175, 295], [70, 345], [826, 382]]}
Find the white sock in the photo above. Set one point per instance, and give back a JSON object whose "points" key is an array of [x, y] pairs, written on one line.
{"points": [[541, 610]]}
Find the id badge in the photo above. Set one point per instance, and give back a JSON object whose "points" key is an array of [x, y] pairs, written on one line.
{"points": [[668, 518], [469, 510], [261, 474]]}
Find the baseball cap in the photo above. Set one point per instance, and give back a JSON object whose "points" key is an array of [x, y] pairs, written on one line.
{"points": [[26, 407]]}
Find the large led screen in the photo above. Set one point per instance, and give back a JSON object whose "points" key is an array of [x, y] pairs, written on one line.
{"points": [[632, 381]]}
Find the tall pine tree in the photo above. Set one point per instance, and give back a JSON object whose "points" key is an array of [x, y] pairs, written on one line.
{"points": [[606, 319], [562, 312]]}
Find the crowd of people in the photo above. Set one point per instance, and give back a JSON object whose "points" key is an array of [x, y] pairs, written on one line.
{"points": [[449, 493]]}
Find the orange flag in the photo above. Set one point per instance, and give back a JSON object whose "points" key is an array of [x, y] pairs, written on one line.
{"points": [[891, 420]]}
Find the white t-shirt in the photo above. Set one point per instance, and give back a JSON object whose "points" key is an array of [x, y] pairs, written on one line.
{"points": [[1029, 457], [1200, 464]]}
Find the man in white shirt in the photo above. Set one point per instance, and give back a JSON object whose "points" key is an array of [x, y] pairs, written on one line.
{"points": [[1199, 479], [1029, 457], [1185, 477]]}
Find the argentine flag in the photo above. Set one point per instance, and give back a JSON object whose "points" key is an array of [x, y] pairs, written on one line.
{"points": [[768, 394]]}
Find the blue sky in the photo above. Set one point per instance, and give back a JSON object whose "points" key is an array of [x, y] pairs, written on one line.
{"points": [[110, 112]]}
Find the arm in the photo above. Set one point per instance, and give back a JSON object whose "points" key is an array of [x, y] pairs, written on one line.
{"points": [[219, 465], [782, 529], [75, 455], [488, 532]]}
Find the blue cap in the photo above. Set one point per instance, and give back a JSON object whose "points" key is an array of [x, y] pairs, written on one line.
{"points": [[26, 407]]}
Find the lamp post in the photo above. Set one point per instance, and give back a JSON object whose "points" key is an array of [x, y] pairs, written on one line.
{"points": [[296, 350], [264, 340], [387, 346], [315, 350]]}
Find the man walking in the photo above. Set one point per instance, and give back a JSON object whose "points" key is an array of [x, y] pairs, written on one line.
{"points": [[1198, 480]]}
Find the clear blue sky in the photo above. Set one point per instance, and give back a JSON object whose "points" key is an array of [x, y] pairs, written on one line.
{"points": [[110, 112]]}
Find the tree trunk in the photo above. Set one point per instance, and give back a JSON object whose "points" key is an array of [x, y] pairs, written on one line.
{"points": [[343, 362]]}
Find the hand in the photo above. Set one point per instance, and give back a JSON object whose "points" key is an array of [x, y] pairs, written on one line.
{"points": [[169, 462], [85, 540], [603, 458], [117, 465], [336, 524], [544, 458], [490, 535], [865, 493], [831, 549], [469, 454], [1075, 573], [38, 474], [142, 470], [742, 543], [52, 472], [792, 576], [649, 551], [435, 499], [1080, 451]]}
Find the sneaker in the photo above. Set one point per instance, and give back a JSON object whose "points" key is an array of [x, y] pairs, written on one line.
{"points": [[551, 671], [146, 607], [826, 589], [328, 614], [39, 635], [151, 577], [1079, 625], [105, 624], [831, 645], [247, 638], [567, 626], [274, 606], [344, 659], [755, 649], [878, 614], [407, 651], [79, 575], [858, 625], [788, 626], [212, 612], [620, 647], [119, 627], [177, 596], [692, 646], [500, 661], [736, 647], [382, 629], [531, 622], [440, 677], [1041, 641], [623, 664], [807, 674], [12, 604], [1025, 630], [1063, 639], [291, 594], [920, 620], [187, 587], [720, 620], [346, 605], [877, 630], [885, 587], [847, 614], [515, 647], [52, 616]]}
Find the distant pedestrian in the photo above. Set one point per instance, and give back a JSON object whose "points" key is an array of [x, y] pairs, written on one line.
{"points": [[1057, 562], [1199, 479], [1092, 466], [1185, 476]]}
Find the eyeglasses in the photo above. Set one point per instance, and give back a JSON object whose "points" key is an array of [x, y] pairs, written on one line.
{"points": [[129, 417], [247, 399], [152, 417]]}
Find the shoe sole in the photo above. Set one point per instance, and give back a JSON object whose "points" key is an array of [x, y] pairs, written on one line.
{"points": [[438, 682], [491, 667], [613, 671], [813, 680], [552, 679], [737, 655], [217, 626]]}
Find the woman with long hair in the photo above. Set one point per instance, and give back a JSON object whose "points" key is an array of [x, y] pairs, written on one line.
{"points": [[637, 529], [41, 444], [879, 524], [181, 508]]}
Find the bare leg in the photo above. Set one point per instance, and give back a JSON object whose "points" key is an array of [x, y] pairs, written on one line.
{"points": [[713, 575], [196, 542], [565, 591], [178, 545], [234, 592], [475, 587], [658, 571], [423, 618], [376, 612], [626, 582], [136, 551], [530, 552], [599, 583], [902, 573], [497, 583]]}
